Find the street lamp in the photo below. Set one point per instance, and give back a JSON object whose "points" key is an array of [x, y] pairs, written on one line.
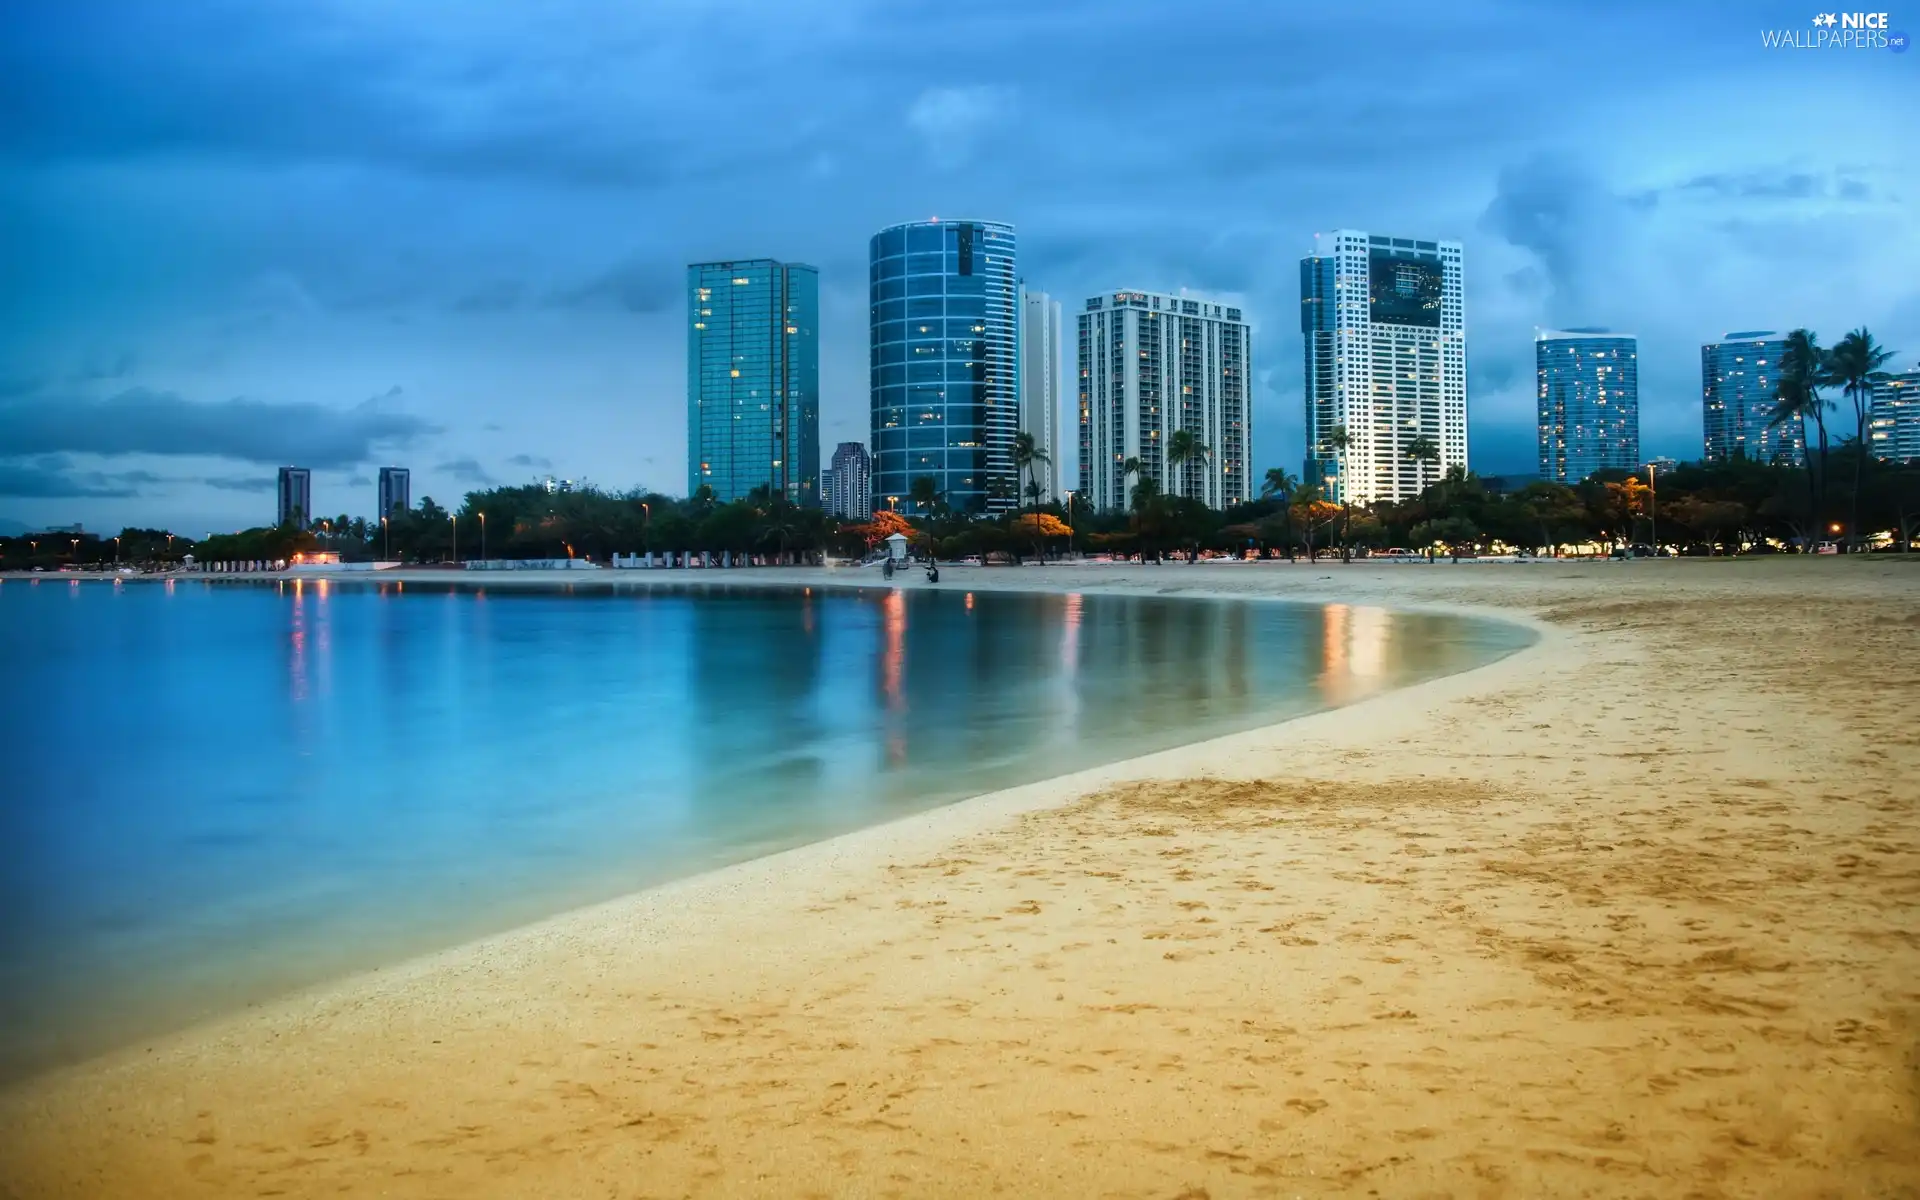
{"points": [[1069, 492], [1653, 508], [75, 556], [454, 519], [483, 537], [386, 542], [116, 552]]}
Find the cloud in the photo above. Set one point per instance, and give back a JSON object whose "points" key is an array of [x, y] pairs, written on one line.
{"points": [[636, 285], [951, 120], [99, 367], [243, 483], [495, 296], [1776, 184], [142, 421], [466, 470], [359, 481], [1562, 213], [19, 385], [51, 479], [530, 460]]}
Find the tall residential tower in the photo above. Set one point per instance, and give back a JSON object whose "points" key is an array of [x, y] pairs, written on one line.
{"points": [[1040, 389], [945, 328], [295, 490], [1589, 402], [1738, 377], [1152, 365], [1893, 430], [847, 484], [753, 379], [396, 490], [1386, 362]]}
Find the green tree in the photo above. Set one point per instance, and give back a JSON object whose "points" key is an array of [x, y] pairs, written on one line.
{"points": [[1279, 485], [1185, 447], [1340, 442], [1854, 365], [924, 494], [1026, 456], [1803, 371]]}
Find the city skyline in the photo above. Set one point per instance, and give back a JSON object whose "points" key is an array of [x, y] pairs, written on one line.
{"points": [[222, 293]]}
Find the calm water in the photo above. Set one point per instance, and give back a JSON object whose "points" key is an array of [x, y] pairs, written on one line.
{"points": [[216, 792]]}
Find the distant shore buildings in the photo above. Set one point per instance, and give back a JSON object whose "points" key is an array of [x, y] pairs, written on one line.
{"points": [[1893, 429], [753, 379], [1589, 402], [396, 490], [1738, 377], [847, 483], [944, 329], [1151, 366], [295, 497], [1383, 319]]}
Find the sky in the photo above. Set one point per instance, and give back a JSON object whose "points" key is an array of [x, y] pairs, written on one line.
{"points": [[453, 235]]}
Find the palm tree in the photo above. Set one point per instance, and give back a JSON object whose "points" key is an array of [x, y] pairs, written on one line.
{"points": [[1281, 486], [1803, 372], [925, 492], [1338, 442], [1854, 363], [1026, 456], [1421, 449], [1186, 447], [1132, 467]]}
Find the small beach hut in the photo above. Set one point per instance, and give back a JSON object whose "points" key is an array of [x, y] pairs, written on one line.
{"points": [[897, 547]]}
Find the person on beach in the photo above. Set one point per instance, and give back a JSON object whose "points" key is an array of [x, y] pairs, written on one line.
{"points": [[886, 568], [933, 571]]}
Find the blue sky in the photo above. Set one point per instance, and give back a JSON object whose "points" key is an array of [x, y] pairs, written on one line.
{"points": [[452, 235]]}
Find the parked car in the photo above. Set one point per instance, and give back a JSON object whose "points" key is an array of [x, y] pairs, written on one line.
{"points": [[1827, 548]]}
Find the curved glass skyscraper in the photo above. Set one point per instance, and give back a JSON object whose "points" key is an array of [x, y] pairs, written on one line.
{"points": [[945, 392]]}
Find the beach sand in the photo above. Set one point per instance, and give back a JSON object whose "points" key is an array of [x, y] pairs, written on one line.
{"points": [[1634, 912]]}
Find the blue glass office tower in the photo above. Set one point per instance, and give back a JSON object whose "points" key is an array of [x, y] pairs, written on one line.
{"points": [[1589, 394], [1739, 375], [945, 387], [753, 379]]}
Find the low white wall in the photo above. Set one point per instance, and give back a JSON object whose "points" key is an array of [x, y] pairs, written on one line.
{"points": [[531, 564]]}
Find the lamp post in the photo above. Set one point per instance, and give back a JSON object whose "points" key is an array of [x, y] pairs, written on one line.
{"points": [[1069, 492], [483, 537], [74, 556], [116, 552], [1653, 508], [386, 541], [454, 520]]}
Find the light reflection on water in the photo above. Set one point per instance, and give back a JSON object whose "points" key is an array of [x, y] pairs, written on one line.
{"points": [[221, 791]]}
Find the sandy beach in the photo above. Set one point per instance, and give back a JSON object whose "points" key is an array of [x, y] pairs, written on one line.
{"points": [[1633, 912]]}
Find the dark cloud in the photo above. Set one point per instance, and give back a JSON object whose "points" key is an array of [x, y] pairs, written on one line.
{"points": [[243, 483], [19, 385], [1555, 208], [102, 367], [467, 470], [496, 296], [636, 285], [141, 421], [359, 481], [529, 460], [52, 479]]}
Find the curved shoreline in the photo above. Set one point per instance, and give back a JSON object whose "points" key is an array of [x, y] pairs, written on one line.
{"points": [[962, 817]]}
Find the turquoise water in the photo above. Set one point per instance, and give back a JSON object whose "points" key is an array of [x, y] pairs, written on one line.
{"points": [[216, 792]]}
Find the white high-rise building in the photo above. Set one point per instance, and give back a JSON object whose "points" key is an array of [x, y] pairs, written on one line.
{"points": [[1152, 365], [1039, 341], [1386, 358]]}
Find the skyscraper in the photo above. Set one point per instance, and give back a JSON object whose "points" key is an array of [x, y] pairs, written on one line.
{"points": [[1738, 375], [296, 497], [945, 404], [1152, 366], [1386, 361], [1589, 402], [396, 489], [753, 379], [849, 486], [1893, 430], [1040, 388]]}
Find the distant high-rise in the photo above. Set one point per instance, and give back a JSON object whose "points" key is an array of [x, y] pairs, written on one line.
{"points": [[1040, 388], [1589, 402], [1386, 361], [753, 379], [396, 490], [296, 497], [944, 325], [1894, 428], [1738, 377], [848, 484], [1152, 366]]}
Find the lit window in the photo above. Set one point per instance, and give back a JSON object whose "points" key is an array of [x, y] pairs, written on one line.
{"points": [[736, 372], [741, 279]]}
